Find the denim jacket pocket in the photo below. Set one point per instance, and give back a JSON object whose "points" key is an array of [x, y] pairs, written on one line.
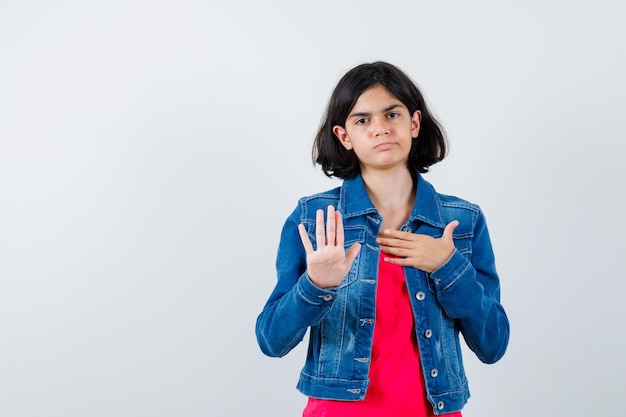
{"points": [[463, 245]]}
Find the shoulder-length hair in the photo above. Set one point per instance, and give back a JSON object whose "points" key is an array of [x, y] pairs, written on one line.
{"points": [[336, 161]]}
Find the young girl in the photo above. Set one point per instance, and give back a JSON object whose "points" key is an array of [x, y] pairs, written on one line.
{"points": [[384, 271]]}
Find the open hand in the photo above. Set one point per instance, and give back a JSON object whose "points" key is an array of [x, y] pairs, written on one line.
{"points": [[419, 251], [329, 263]]}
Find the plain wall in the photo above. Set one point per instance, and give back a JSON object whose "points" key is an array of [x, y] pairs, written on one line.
{"points": [[150, 152]]}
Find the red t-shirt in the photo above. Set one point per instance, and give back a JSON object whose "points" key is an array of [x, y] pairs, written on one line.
{"points": [[396, 381]]}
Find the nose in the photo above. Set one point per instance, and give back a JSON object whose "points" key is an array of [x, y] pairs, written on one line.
{"points": [[380, 127]]}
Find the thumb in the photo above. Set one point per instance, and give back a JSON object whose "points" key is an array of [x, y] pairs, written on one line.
{"points": [[447, 232], [352, 253]]}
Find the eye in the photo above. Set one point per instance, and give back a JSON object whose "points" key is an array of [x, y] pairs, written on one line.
{"points": [[361, 121], [393, 115]]}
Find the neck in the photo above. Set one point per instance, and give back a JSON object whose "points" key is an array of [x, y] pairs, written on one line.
{"points": [[393, 195]]}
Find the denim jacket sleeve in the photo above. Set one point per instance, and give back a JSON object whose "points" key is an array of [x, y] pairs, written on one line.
{"points": [[468, 289], [296, 303]]}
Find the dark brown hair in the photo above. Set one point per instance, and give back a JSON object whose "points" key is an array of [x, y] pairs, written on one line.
{"points": [[336, 161]]}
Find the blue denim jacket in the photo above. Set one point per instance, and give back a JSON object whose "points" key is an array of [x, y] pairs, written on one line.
{"points": [[463, 295]]}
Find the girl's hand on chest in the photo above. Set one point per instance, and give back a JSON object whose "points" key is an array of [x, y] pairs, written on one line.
{"points": [[419, 251]]}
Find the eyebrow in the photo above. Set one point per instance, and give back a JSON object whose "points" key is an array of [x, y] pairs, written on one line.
{"points": [[385, 110]]}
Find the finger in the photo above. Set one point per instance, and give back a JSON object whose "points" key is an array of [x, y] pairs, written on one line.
{"points": [[447, 232], [339, 235], [352, 253], [397, 234], [331, 226], [398, 261], [390, 250], [395, 243], [319, 228], [382, 241], [304, 238]]}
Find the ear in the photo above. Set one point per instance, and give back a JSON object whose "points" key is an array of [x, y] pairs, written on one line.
{"points": [[416, 121], [342, 135]]}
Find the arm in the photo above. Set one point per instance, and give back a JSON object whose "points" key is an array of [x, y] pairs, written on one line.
{"points": [[306, 279], [469, 290]]}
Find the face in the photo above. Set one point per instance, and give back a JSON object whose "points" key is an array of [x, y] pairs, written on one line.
{"points": [[380, 130]]}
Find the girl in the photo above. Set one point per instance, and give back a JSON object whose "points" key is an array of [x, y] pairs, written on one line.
{"points": [[384, 271]]}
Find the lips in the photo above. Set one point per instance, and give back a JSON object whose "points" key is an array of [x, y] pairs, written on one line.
{"points": [[384, 146]]}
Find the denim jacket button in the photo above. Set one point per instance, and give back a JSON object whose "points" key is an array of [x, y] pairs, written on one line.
{"points": [[434, 373], [327, 297], [428, 333], [440, 405], [420, 295]]}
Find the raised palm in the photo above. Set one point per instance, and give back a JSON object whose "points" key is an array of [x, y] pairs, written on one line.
{"points": [[329, 263]]}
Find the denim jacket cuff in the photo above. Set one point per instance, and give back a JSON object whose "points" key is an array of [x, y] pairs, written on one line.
{"points": [[313, 294], [448, 273]]}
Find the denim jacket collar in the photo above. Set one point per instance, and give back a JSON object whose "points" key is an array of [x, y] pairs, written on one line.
{"points": [[426, 208]]}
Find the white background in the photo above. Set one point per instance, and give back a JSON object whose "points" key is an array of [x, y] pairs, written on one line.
{"points": [[151, 150]]}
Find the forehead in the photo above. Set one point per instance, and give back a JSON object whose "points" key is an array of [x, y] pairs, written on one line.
{"points": [[375, 98]]}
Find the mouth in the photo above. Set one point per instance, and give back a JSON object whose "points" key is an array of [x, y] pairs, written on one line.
{"points": [[384, 146]]}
